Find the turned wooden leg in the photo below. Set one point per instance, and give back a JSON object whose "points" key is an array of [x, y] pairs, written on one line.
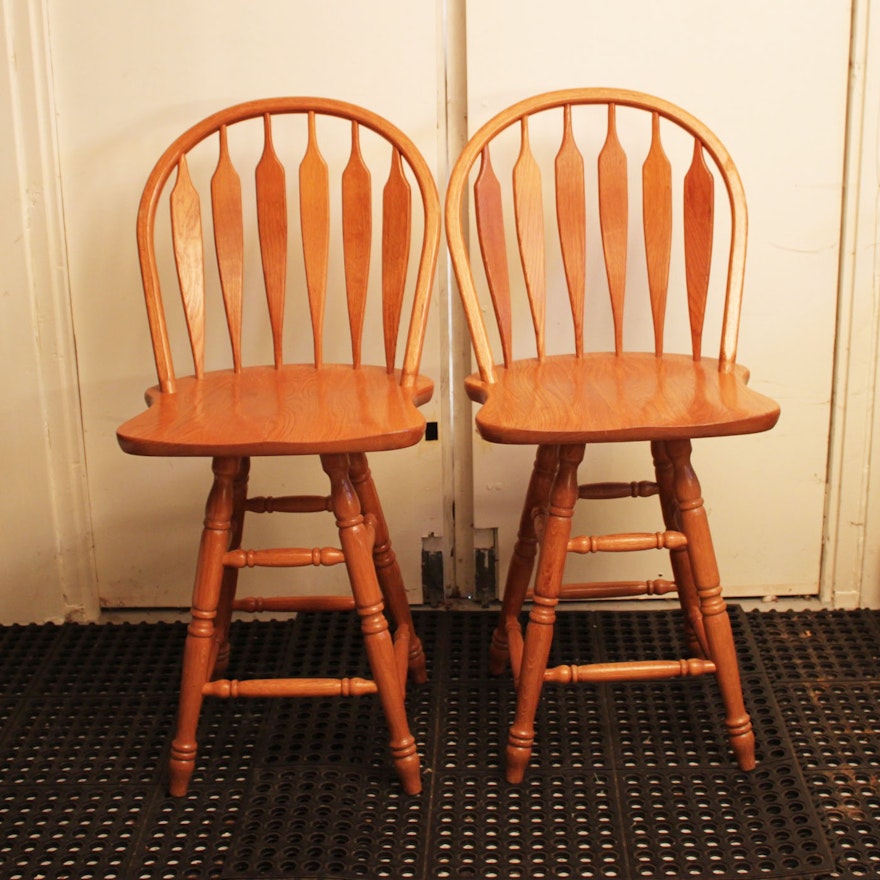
{"points": [[200, 635], [704, 568], [385, 561], [539, 632], [220, 657], [356, 544], [522, 562], [681, 567]]}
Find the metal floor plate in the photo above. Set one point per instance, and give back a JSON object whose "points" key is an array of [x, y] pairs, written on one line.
{"points": [[628, 781]]}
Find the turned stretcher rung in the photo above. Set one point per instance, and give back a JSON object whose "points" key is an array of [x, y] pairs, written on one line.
{"points": [[289, 687], [288, 504], [611, 589], [635, 489], [256, 604], [628, 671], [284, 557], [627, 542]]}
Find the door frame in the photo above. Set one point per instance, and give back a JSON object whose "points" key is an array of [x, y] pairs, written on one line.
{"points": [[850, 573]]}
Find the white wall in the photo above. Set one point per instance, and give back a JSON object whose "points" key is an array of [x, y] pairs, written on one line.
{"points": [[120, 80]]}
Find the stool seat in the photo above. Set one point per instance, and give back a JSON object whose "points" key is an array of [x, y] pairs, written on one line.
{"points": [[297, 409], [604, 397]]}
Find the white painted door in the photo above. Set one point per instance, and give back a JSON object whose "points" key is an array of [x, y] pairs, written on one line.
{"points": [[771, 80], [129, 77]]}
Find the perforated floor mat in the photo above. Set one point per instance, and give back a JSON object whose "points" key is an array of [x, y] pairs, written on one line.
{"points": [[628, 781]]}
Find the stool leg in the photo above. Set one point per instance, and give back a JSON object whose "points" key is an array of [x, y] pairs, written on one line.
{"points": [[681, 567], [220, 661], [385, 561], [719, 636], [354, 537], [539, 633], [200, 634], [522, 562]]}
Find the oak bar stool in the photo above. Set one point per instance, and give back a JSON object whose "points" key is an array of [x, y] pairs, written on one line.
{"points": [[231, 413], [561, 401]]}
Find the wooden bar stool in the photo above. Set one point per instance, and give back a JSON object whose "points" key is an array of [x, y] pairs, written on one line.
{"points": [[549, 388], [230, 412]]}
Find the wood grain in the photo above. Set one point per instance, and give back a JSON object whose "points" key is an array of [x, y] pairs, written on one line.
{"points": [[699, 216], [490, 231], [229, 242], [272, 221], [186, 231], [529, 209], [613, 218], [657, 223], [314, 209], [571, 216], [357, 239], [396, 225]]}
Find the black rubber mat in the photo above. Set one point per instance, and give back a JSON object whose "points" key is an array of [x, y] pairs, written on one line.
{"points": [[628, 781]]}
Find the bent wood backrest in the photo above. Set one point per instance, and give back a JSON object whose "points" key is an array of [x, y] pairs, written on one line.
{"points": [[406, 272], [500, 212]]}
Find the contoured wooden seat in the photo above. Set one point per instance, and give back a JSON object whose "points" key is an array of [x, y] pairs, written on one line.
{"points": [[541, 383], [245, 398]]}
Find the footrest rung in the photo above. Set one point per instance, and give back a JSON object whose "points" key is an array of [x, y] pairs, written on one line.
{"points": [[284, 557], [639, 670], [288, 504], [613, 589], [256, 604], [627, 542], [289, 687], [602, 491]]}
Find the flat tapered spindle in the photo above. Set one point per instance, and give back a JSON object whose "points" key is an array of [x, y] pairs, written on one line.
{"points": [[357, 231], [699, 217], [490, 231], [613, 220], [314, 211], [396, 225], [529, 209], [657, 222], [186, 231], [272, 222], [571, 216], [229, 242]]}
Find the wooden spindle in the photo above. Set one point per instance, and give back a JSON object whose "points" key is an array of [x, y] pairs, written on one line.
{"points": [[357, 232], [626, 543], [529, 210], [229, 242], [657, 222], [288, 504], [490, 231], [272, 222], [635, 489], [258, 604], [289, 687], [633, 670], [314, 208], [613, 220], [699, 216], [284, 557], [396, 225], [186, 231], [571, 217]]}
